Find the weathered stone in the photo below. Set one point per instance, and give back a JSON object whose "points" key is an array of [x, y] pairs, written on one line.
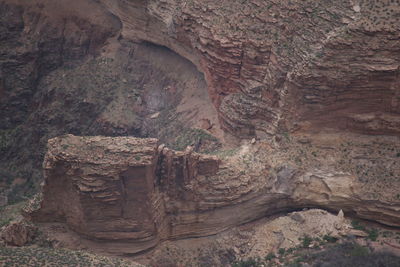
{"points": [[112, 188], [127, 190], [298, 75], [297, 217], [271, 68], [357, 233], [18, 233]]}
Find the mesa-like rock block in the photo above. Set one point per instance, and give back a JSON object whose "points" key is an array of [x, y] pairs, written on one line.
{"points": [[110, 188], [101, 187], [133, 193]]}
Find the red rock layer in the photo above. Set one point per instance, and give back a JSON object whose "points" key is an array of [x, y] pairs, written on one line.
{"points": [[283, 65], [131, 193]]}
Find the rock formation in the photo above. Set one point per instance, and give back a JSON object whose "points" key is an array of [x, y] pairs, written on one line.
{"points": [[269, 67], [18, 233], [131, 191], [293, 64], [313, 84], [113, 189]]}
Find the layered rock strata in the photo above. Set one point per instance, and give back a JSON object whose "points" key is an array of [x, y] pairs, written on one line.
{"points": [[283, 65], [134, 193], [270, 67], [116, 189]]}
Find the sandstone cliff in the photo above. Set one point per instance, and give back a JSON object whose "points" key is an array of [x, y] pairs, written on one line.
{"points": [[269, 67], [315, 83], [134, 193], [290, 64]]}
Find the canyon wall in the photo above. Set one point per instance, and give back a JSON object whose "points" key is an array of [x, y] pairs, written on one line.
{"points": [[133, 193], [37, 38], [66, 69], [283, 65], [269, 70]]}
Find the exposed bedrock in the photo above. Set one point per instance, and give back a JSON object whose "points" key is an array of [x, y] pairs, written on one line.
{"points": [[65, 69], [283, 65], [132, 191], [269, 67], [37, 38]]}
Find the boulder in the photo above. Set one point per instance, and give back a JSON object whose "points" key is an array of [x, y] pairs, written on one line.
{"points": [[18, 233]]}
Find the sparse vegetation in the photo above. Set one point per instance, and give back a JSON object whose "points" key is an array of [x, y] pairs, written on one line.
{"points": [[10, 213], [357, 225], [250, 262], [293, 28], [197, 138], [225, 153], [270, 256], [65, 146], [373, 234], [330, 239], [306, 241], [7, 137], [28, 256], [343, 254]]}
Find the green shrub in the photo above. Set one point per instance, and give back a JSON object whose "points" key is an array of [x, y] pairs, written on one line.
{"points": [[357, 225], [306, 241], [270, 256], [373, 234], [194, 137], [330, 239]]}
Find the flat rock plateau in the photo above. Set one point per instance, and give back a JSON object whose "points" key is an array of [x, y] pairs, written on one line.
{"points": [[201, 133]]}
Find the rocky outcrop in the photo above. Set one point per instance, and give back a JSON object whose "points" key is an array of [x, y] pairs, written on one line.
{"points": [[271, 68], [111, 197], [114, 190], [65, 69], [18, 233], [132, 191]]}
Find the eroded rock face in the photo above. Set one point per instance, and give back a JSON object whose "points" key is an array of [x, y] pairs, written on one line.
{"points": [[38, 37], [290, 64], [113, 188], [66, 69], [132, 191], [271, 68]]}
